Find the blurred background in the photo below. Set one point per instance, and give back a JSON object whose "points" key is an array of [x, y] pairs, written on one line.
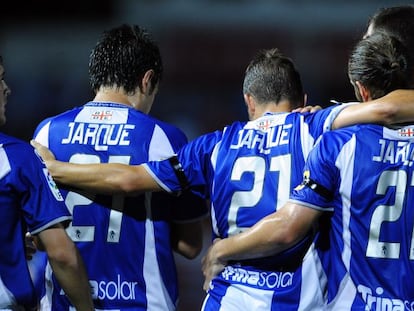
{"points": [[205, 44]]}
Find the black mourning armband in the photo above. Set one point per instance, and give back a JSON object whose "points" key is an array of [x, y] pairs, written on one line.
{"points": [[179, 172], [319, 189]]}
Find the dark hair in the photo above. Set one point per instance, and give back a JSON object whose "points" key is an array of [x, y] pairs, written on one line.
{"points": [[272, 77], [397, 21], [381, 64], [122, 56]]}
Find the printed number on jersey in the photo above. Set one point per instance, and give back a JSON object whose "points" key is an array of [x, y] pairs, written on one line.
{"points": [[377, 247], [75, 200], [249, 198]]}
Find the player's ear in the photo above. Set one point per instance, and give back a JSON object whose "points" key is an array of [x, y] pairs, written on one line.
{"points": [[250, 104], [147, 86], [305, 99], [364, 93]]}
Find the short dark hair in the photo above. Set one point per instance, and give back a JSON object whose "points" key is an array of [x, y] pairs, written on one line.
{"points": [[381, 63], [272, 77], [122, 56]]}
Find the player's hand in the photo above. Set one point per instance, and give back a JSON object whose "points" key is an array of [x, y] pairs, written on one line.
{"points": [[310, 109], [211, 266], [30, 246], [43, 151]]}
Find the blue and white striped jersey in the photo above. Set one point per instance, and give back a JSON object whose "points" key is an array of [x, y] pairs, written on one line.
{"points": [[29, 201], [247, 171], [128, 255], [368, 178]]}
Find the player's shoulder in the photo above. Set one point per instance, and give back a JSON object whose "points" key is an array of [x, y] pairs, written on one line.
{"points": [[17, 151], [70, 113], [170, 130], [342, 135], [11, 142]]}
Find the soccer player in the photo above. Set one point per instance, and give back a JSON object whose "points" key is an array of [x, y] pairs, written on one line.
{"points": [[129, 255], [362, 178], [247, 170], [30, 201]]}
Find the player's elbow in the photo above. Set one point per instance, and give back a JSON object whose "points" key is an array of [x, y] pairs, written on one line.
{"points": [[127, 186], [388, 114], [63, 256], [286, 236], [191, 252], [125, 182]]}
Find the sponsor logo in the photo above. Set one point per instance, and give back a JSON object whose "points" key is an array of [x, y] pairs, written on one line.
{"points": [[113, 290], [267, 280], [376, 301]]}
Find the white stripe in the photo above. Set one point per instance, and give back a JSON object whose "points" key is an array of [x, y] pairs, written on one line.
{"points": [[306, 140], [248, 297], [7, 300], [160, 147], [43, 135], [345, 163], [314, 283], [5, 167], [213, 159], [157, 295]]}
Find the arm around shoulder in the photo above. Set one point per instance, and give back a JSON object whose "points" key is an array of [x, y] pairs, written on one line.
{"points": [[393, 108]]}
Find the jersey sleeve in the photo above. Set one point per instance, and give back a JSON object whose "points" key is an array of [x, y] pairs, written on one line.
{"points": [[42, 202], [321, 121], [41, 133], [320, 177], [194, 159]]}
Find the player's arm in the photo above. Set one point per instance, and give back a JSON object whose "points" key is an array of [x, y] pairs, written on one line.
{"points": [[99, 178], [395, 107], [187, 238], [67, 266], [271, 235]]}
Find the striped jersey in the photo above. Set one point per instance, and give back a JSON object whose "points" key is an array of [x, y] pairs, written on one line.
{"points": [[29, 202], [128, 255], [248, 170], [367, 175]]}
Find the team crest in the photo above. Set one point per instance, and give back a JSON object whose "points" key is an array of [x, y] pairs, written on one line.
{"points": [[265, 124], [306, 179], [406, 132], [102, 115]]}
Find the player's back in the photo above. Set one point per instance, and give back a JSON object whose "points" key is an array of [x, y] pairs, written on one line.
{"points": [[371, 249], [128, 255], [260, 161], [254, 167]]}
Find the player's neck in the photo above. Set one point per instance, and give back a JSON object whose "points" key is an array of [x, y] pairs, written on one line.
{"points": [[282, 106], [112, 96]]}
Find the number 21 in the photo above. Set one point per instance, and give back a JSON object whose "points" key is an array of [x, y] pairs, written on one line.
{"points": [[74, 199]]}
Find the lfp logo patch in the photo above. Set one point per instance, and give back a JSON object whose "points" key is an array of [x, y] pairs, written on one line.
{"points": [[52, 185]]}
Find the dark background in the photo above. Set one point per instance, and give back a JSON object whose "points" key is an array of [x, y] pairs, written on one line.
{"points": [[205, 45]]}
